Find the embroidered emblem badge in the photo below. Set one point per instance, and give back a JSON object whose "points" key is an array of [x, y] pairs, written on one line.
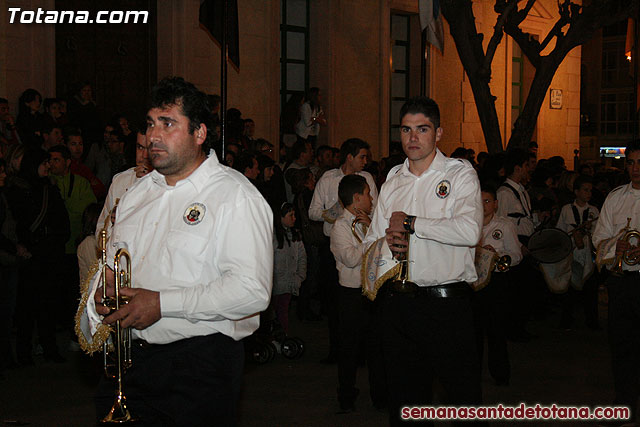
{"points": [[497, 234], [443, 189], [194, 213]]}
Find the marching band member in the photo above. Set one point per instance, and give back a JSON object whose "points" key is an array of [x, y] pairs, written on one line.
{"points": [[490, 304], [325, 207], [199, 235], [514, 204], [354, 311], [122, 181], [427, 329], [577, 219], [624, 288]]}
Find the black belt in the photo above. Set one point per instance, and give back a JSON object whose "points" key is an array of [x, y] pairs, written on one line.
{"points": [[140, 343], [631, 273], [452, 290]]}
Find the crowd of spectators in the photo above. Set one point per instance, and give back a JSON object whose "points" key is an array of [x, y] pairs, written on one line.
{"points": [[57, 160]]}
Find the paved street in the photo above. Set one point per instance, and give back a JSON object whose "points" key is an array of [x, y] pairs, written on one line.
{"points": [[565, 367]]}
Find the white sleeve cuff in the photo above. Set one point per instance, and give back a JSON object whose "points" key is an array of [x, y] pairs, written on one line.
{"points": [[171, 303]]}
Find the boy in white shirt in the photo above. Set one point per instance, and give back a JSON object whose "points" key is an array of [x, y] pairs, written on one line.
{"points": [[490, 306], [578, 219], [354, 311]]}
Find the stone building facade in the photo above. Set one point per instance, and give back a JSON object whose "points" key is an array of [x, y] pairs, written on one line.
{"points": [[349, 53]]}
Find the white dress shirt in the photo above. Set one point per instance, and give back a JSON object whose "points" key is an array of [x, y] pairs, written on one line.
{"points": [[447, 204], [120, 183], [205, 244], [622, 203], [325, 195], [508, 203], [347, 250], [501, 234]]}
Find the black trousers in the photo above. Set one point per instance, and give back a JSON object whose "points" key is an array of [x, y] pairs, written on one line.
{"points": [[357, 330], [37, 304], [192, 382], [624, 338], [424, 338], [490, 316]]}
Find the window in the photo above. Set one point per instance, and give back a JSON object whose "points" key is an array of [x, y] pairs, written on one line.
{"points": [[616, 85], [294, 57], [400, 44]]}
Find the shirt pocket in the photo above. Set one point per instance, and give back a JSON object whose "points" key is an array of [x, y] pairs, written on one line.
{"points": [[184, 256]]}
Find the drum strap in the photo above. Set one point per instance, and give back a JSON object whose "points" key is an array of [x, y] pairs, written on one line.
{"points": [[525, 206], [576, 215]]}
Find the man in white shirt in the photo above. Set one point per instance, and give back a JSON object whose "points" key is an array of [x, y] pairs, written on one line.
{"points": [[200, 238], [514, 204], [122, 181], [624, 288], [427, 326], [513, 199], [326, 207]]}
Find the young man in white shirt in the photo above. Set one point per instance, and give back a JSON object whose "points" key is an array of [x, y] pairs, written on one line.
{"points": [[431, 207], [354, 311], [578, 219], [122, 181], [490, 305], [624, 288], [514, 204], [200, 238]]}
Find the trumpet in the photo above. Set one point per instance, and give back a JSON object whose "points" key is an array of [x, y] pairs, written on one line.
{"points": [[626, 256], [365, 227], [121, 337]]}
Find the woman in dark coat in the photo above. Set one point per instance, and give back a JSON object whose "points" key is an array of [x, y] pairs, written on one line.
{"points": [[42, 226]]}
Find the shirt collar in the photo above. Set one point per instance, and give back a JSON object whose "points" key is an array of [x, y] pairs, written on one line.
{"points": [[514, 184], [347, 215], [198, 177], [439, 164]]}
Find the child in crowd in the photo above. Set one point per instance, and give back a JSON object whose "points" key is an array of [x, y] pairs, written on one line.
{"points": [[289, 262], [578, 219], [354, 311], [490, 305]]}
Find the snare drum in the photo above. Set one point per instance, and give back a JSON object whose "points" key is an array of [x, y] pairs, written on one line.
{"points": [[550, 245]]}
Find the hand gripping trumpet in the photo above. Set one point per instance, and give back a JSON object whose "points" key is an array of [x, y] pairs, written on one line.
{"points": [[503, 263], [121, 337], [626, 256], [401, 282]]}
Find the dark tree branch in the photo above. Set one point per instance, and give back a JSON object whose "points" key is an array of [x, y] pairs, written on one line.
{"points": [[529, 46], [496, 38], [580, 22]]}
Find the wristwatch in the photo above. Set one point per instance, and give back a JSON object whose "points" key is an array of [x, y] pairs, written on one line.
{"points": [[407, 223]]}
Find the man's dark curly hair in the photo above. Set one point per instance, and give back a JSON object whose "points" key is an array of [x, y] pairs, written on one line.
{"points": [[177, 91]]}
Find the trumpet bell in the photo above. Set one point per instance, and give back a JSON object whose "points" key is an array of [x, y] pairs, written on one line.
{"points": [[119, 412], [628, 258], [503, 264]]}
